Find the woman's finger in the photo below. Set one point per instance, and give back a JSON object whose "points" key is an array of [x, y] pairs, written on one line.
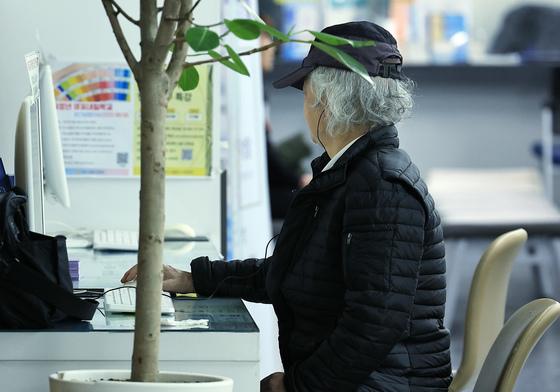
{"points": [[168, 271], [130, 274]]}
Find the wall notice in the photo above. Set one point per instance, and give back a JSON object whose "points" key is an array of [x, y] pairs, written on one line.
{"points": [[188, 130], [98, 109]]}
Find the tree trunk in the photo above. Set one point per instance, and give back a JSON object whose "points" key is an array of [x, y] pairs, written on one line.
{"points": [[155, 82], [153, 88]]}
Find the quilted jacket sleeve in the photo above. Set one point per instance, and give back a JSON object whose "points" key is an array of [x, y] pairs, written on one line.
{"points": [[238, 278], [383, 234]]}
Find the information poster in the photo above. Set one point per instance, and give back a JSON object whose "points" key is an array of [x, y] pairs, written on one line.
{"points": [[98, 110], [188, 130]]}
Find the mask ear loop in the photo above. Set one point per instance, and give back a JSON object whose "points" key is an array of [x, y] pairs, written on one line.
{"points": [[317, 132]]}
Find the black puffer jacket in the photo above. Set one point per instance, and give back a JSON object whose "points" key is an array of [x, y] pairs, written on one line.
{"points": [[357, 278]]}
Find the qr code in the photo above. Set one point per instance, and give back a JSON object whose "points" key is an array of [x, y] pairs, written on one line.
{"points": [[186, 154], [122, 158]]}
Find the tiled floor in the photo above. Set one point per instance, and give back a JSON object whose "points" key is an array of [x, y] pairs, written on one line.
{"points": [[542, 370]]}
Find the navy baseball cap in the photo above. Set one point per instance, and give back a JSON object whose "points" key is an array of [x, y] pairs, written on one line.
{"points": [[382, 59]]}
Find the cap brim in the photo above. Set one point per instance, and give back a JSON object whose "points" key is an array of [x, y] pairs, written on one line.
{"points": [[294, 79]]}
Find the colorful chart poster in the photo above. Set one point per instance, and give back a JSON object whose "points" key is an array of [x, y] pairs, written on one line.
{"points": [[99, 116], [188, 130], [95, 115]]}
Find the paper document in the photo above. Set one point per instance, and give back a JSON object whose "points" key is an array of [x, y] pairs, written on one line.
{"points": [[99, 115]]}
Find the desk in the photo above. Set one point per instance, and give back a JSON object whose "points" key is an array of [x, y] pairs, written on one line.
{"points": [[229, 347], [103, 269], [477, 205]]}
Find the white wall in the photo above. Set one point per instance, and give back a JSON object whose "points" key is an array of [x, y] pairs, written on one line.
{"points": [[79, 30]]}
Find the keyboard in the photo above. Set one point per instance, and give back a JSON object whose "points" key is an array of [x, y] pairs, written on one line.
{"points": [[123, 300], [116, 239], [113, 239]]}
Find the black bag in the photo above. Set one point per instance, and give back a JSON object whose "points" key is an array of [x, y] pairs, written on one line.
{"points": [[35, 283]]}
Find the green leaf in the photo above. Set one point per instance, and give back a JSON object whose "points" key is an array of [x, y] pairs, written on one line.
{"points": [[243, 28], [235, 64], [241, 68], [189, 79], [249, 29], [336, 41], [202, 38], [345, 59], [215, 55], [291, 30], [275, 33]]}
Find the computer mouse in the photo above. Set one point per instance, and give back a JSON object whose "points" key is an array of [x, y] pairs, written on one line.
{"points": [[77, 242], [179, 231]]}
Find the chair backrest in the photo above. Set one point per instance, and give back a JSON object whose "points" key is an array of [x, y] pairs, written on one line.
{"points": [[486, 305], [514, 344]]}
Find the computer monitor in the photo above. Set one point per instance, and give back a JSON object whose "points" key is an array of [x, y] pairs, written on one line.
{"points": [[29, 161], [56, 185], [39, 161]]}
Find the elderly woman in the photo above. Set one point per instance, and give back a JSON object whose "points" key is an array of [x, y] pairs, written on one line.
{"points": [[357, 278]]}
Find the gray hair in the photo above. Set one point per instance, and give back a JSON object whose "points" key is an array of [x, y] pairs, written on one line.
{"points": [[351, 101]]}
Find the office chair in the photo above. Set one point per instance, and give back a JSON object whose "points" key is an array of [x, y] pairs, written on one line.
{"points": [[514, 344], [486, 305]]}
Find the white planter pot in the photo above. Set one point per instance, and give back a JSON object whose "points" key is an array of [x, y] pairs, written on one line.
{"points": [[99, 381]]}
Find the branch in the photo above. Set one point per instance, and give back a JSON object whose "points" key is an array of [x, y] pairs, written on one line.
{"points": [[193, 8], [148, 27], [175, 66], [119, 35], [197, 54], [207, 26], [166, 29], [174, 19], [123, 13], [261, 49], [188, 16]]}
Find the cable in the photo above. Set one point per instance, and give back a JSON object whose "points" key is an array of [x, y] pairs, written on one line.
{"points": [[89, 294], [98, 295], [268, 243], [218, 286], [317, 132], [71, 231], [113, 289]]}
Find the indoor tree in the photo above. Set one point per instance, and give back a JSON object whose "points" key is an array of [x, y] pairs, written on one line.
{"points": [[167, 32]]}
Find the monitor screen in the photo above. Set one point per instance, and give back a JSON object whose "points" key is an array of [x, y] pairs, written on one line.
{"points": [[56, 185], [29, 161]]}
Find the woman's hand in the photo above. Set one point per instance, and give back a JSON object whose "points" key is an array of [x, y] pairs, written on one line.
{"points": [[273, 383], [174, 280]]}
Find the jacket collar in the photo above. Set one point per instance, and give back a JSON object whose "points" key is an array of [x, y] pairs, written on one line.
{"points": [[379, 137]]}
